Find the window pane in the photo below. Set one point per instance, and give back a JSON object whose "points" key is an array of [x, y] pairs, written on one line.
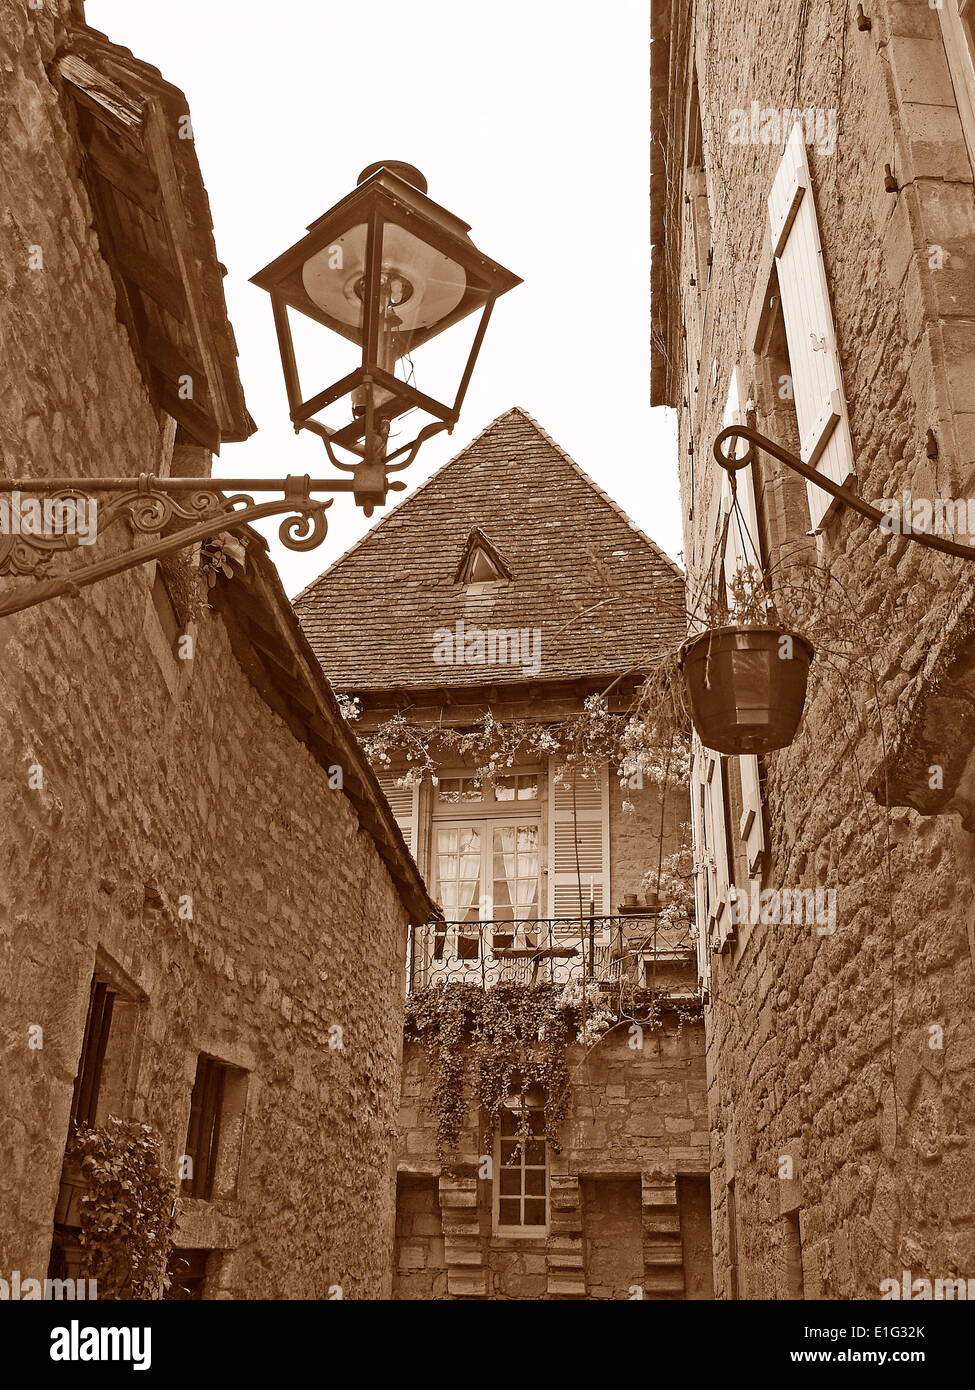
{"points": [[534, 1211], [504, 788], [535, 1151], [534, 1182], [510, 1182], [509, 1211]]}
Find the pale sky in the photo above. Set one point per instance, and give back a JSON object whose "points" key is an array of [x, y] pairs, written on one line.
{"points": [[530, 120]]}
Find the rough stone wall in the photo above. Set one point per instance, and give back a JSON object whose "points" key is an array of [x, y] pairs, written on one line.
{"points": [[634, 835], [147, 797], [821, 1048], [634, 1115]]}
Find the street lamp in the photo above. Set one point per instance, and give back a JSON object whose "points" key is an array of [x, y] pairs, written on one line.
{"points": [[388, 270]]}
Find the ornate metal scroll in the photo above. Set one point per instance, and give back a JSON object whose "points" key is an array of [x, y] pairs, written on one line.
{"points": [[53, 509]]}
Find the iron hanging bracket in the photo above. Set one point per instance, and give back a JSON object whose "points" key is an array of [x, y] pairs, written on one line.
{"points": [[731, 463], [149, 505]]}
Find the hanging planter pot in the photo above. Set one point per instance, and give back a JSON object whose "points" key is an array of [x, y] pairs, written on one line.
{"points": [[745, 686]]}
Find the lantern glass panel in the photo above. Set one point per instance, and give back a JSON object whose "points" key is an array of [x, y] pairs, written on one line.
{"points": [[332, 278]]}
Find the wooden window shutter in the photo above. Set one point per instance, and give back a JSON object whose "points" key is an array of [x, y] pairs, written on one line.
{"points": [[741, 549], [817, 381], [589, 830], [720, 927], [700, 865], [404, 802]]}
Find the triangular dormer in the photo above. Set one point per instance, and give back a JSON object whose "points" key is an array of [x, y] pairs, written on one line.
{"points": [[482, 562]]}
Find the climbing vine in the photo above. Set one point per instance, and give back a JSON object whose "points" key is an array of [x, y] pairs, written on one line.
{"points": [[128, 1216], [512, 1041], [649, 742]]}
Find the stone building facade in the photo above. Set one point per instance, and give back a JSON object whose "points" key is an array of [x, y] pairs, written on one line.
{"points": [[814, 236], [200, 879], [511, 539]]}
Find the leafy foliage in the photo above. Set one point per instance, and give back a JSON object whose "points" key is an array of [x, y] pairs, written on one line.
{"points": [[128, 1213], [512, 1040], [649, 742]]}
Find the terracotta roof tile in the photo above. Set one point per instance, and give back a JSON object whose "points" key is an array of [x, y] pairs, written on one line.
{"points": [[602, 595]]}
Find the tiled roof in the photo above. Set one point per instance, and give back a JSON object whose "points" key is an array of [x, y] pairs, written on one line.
{"points": [[603, 596]]}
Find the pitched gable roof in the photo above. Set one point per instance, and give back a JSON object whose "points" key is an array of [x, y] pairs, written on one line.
{"points": [[604, 597]]}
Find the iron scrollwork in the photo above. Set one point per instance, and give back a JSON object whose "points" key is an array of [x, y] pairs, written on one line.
{"points": [[151, 506]]}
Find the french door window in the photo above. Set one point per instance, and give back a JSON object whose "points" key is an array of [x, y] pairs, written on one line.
{"points": [[488, 871]]}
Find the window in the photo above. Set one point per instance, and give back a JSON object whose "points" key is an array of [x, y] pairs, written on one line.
{"points": [[958, 31], [521, 1174], [452, 790], [88, 1082], [487, 871], [108, 1050], [481, 562], [520, 788], [213, 1139], [782, 505], [187, 1270]]}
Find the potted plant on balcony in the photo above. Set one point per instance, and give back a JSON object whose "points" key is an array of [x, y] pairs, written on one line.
{"points": [[745, 674]]}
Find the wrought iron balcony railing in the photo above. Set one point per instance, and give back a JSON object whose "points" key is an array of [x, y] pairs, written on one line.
{"points": [[553, 949]]}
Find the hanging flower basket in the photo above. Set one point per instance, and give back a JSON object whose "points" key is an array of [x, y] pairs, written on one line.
{"points": [[745, 686]]}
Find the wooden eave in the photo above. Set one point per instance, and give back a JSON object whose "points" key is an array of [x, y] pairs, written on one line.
{"points": [[274, 654], [152, 218], [452, 707]]}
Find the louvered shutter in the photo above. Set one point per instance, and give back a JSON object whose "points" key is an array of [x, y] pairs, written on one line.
{"points": [[589, 829], [700, 866], [741, 549], [817, 381], [404, 802]]}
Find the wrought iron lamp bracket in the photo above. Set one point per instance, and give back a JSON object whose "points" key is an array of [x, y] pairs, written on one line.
{"points": [[150, 505], [731, 463]]}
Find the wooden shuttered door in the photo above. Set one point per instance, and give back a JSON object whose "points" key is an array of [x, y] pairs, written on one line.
{"points": [[742, 549], [817, 382], [404, 802], [578, 843]]}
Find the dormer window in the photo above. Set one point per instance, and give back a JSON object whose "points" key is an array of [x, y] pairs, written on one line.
{"points": [[481, 562]]}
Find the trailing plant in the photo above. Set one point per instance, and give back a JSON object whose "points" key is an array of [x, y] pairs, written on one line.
{"points": [[128, 1216], [649, 742], [512, 1040]]}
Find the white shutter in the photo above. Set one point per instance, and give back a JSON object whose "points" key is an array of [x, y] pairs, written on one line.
{"points": [[719, 924], [741, 549], [404, 802], [817, 382], [700, 866], [587, 829]]}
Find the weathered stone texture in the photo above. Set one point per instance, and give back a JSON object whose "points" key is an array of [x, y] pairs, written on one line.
{"points": [[633, 1114], [295, 923], [822, 1046]]}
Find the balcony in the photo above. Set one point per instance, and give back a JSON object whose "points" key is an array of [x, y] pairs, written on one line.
{"points": [[607, 950]]}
